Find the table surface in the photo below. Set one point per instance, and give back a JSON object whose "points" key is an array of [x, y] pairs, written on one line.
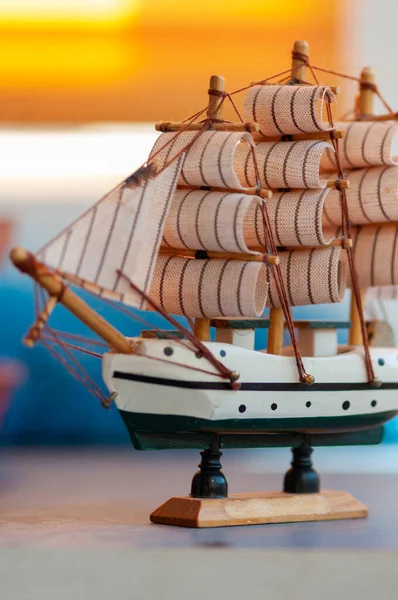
{"points": [[104, 497], [75, 525]]}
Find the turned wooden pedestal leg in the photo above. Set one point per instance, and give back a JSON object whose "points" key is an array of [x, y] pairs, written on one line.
{"points": [[209, 504], [302, 478]]}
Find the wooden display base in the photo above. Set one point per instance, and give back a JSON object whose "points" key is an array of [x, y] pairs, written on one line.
{"points": [[259, 508]]}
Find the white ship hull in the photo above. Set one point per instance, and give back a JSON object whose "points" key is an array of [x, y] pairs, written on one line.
{"points": [[161, 397]]}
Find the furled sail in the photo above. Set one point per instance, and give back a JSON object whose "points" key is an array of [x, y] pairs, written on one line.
{"points": [[231, 222], [376, 249], [365, 144], [119, 234], [295, 217], [287, 109], [316, 276], [283, 164], [371, 198], [210, 288], [205, 220], [209, 160]]}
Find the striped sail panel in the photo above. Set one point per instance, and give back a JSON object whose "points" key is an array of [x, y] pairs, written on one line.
{"points": [[376, 254], [204, 220], [122, 232], [283, 164], [365, 144], [210, 288], [209, 160], [295, 217], [287, 109], [316, 276], [371, 198]]}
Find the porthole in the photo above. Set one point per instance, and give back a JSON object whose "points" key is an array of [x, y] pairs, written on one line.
{"points": [[168, 351], [381, 361], [242, 408], [373, 403], [274, 406], [223, 353], [346, 405], [198, 355], [308, 404]]}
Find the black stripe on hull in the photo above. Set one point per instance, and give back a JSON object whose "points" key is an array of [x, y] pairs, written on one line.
{"points": [[254, 386]]}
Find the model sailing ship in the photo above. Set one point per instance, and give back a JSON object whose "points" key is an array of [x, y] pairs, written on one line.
{"points": [[197, 232]]}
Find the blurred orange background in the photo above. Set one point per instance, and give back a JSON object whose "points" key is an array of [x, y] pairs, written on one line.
{"points": [[143, 60]]}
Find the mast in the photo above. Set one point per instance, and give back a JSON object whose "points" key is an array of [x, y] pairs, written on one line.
{"points": [[366, 108], [26, 263], [215, 111], [299, 65], [276, 315], [207, 222]]}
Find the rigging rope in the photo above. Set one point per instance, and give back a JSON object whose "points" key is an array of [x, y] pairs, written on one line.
{"points": [[346, 226], [271, 248], [54, 336], [227, 373], [346, 235]]}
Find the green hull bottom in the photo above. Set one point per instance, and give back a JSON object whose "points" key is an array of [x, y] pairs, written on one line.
{"points": [[170, 432]]}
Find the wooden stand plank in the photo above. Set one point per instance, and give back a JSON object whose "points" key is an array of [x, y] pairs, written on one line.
{"points": [[259, 508]]}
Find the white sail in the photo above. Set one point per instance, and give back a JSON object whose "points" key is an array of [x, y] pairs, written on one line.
{"points": [[375, 250], [283, 164], [376, 254], [209, 160], [204, 220], [295, 217], [120, 234], [316, 276], [371, 198], [210, 288], [287, 109], [365, 144]]}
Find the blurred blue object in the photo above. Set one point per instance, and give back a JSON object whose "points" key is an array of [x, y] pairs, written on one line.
{"points": [[53, 408]]}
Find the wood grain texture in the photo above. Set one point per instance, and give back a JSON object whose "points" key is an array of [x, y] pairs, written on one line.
{"points": [[259, 508], [202, 329], [299, 68], [355, 331], [276, 328], [367, 96], [26, 263]]}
